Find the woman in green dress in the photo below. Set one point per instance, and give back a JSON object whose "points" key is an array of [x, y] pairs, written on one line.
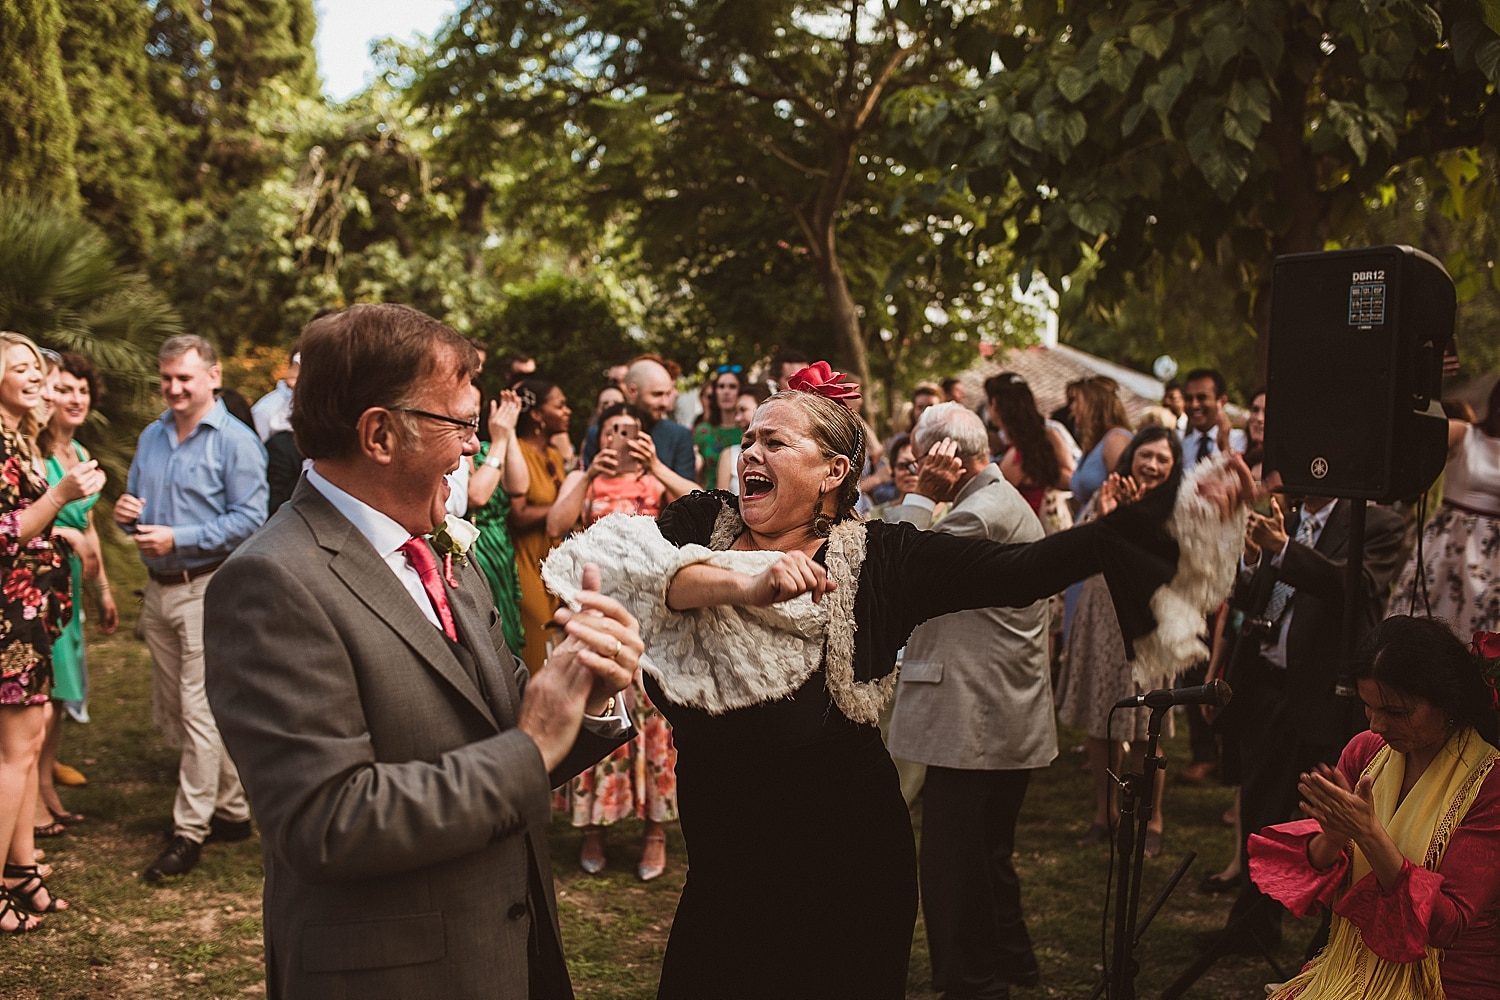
{"points": [[717, 428], [499, 474], [73, 386]]}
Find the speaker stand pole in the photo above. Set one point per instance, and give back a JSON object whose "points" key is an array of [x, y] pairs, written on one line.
{"points": [[1354, 606], [1137, 793]]}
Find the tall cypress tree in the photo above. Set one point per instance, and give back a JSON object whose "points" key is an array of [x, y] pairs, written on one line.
{"points": [[129, 153], [37, 130]]}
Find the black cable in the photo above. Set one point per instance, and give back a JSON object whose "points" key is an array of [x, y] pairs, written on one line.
{"points": [[1109, 829]]}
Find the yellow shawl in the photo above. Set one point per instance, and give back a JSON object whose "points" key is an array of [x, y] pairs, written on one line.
{"points": [[1421, 826]]}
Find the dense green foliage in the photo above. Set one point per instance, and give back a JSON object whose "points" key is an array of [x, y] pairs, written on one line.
{"points": [[37, 128], [870, 182]]}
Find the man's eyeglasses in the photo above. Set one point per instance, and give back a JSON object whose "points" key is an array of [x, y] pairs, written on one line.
{"points": [[472, 426], [910, 467]]}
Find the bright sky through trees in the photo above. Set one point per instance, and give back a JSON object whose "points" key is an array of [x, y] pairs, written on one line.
{"points": [[347, 27]]}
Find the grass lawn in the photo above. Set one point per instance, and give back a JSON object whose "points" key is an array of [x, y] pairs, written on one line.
{"points": [[199, 937]]}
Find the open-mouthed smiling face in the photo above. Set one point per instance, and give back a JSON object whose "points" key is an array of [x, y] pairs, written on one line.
{"points": [[782, 468]]}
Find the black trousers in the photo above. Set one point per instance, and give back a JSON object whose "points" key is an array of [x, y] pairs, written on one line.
{"points": [[1273, 756], [971, 897]]}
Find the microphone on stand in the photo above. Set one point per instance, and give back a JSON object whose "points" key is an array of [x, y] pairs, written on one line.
{"points": [[1213, 693]]}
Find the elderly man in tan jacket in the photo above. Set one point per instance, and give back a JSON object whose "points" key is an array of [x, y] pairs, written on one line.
{"points": [[975, 706]]}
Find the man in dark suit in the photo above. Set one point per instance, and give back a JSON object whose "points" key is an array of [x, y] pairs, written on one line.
{"points": [[398, 759], [1285, 680]]}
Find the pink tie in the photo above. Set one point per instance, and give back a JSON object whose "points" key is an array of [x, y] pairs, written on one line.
{"points": [[419, 556]]}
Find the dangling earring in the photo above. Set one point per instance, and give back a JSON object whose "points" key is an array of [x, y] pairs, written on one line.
{"points": [[822, 524]]}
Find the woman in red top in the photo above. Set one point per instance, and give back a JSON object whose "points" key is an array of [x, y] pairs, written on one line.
{"points": [[1404, 836]]}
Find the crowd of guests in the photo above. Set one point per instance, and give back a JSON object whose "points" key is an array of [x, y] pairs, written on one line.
{"points": [[972, 715]]}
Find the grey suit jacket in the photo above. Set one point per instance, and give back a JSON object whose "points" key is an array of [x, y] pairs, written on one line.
{"points": [[975, 690], [403, 815]]}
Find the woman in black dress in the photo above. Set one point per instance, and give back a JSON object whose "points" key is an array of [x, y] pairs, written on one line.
{"points": [[772, 623], [34, 606]]}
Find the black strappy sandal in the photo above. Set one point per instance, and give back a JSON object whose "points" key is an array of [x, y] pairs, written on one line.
{"points": [[25, 922], [31, 883]]}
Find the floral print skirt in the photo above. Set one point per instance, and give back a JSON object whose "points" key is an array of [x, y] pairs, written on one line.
{"points": [[1461, 552], [638, 779]]}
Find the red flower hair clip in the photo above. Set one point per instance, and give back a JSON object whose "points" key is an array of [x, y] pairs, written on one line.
{"points": [[1486, 646], [821, 379]]}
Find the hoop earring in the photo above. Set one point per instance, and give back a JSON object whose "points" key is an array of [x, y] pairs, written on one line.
{"points": [[822, 524]]}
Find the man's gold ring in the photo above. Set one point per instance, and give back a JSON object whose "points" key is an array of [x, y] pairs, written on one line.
{"points": [[616, 654]]}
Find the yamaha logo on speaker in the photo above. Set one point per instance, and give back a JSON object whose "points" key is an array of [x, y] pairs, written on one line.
{"points": [[1319, 468]]}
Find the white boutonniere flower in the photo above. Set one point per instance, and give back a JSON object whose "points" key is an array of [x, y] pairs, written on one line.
{"points": [[452, 540]]}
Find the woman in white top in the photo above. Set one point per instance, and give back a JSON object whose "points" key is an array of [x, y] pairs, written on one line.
{"points": [[1461, 544]]}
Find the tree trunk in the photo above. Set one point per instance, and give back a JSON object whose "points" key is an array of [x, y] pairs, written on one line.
{"points": [[845, 317]]}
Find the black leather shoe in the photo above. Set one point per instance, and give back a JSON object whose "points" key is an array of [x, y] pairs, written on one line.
{"points": [[227, 831], [180, 857]]}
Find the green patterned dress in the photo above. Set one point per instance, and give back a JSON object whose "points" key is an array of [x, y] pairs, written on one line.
{"points": [[495, 556]]}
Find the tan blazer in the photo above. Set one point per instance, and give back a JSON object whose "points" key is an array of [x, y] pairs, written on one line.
{"points": [[975, 692], [403, 815]]}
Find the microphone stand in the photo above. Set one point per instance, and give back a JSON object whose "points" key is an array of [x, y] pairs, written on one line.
{"points": [[1136, 798]]}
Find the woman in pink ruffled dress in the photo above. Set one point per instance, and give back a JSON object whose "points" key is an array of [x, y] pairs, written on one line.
{"points": [[1404, 836]]}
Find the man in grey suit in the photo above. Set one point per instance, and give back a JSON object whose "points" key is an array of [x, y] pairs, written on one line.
{"points": [[397, 757], [975, 705]]}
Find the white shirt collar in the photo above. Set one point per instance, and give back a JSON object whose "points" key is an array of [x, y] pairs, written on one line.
{"points": [[384, 534]]}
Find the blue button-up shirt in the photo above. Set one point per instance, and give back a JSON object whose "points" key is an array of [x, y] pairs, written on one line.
{"points": [[210, 489]]}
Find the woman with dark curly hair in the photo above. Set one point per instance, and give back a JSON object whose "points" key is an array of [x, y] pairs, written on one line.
{"points": [[1404, 834], [75, 386], [544, 413]]}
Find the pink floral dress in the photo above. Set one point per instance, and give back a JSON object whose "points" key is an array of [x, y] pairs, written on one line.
{"points": [[640, 777], [35, 602]]}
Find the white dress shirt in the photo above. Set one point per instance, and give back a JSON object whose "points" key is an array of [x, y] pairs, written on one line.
{"points": [[1313, 523]]}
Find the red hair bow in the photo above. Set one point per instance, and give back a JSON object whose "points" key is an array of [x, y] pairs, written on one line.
{"points": [[1486, 646], [819, 378]]}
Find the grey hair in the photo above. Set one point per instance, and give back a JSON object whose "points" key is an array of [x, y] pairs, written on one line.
{"points": [[952, 420], [175, 347]]}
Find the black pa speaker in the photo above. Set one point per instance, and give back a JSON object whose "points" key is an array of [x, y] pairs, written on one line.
{"points": [[1355, 366]]}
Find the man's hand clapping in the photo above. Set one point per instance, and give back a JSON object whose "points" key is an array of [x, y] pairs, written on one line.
{"points": [[598, 657]]}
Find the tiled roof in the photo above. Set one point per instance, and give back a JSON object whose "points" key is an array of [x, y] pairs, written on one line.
{"points": [[1048, 370]]}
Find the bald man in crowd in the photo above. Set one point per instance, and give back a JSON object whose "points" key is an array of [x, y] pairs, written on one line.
{"points": [[648, 386]]}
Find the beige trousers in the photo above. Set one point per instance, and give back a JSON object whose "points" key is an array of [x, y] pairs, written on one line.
{"points": [[207, 783]]}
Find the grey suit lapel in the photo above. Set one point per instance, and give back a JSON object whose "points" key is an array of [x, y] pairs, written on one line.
{"points": [[371, 582]]}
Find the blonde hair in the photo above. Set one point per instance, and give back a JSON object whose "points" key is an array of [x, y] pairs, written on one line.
{"points": [[837, 431], [27, 428], [1156, 416]]}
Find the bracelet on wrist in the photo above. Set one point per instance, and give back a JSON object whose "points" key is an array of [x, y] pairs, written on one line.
{"points": [[494, 460]]}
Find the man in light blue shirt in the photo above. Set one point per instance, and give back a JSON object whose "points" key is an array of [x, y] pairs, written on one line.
{"points": [[197, 489]]}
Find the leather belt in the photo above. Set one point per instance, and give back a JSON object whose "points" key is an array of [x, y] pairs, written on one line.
{"points": [[184, 575]]}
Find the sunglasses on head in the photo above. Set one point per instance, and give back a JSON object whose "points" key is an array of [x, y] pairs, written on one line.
{"points": [[731, 369]]}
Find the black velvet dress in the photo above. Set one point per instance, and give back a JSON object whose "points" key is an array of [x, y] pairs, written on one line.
{"points": [[802, 869]]}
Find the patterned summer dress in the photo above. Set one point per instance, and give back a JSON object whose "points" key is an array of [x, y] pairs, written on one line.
{"points": [[34, 598]]}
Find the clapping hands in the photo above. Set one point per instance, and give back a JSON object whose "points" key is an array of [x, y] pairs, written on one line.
{"points": [[1343, 812]]}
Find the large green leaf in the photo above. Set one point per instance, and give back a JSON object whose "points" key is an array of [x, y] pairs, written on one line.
{"points": [[1154, 39], [1074, 83]]}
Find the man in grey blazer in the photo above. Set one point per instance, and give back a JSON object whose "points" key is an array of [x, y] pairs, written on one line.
{"points": [[975, 705], [398, 759]]}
